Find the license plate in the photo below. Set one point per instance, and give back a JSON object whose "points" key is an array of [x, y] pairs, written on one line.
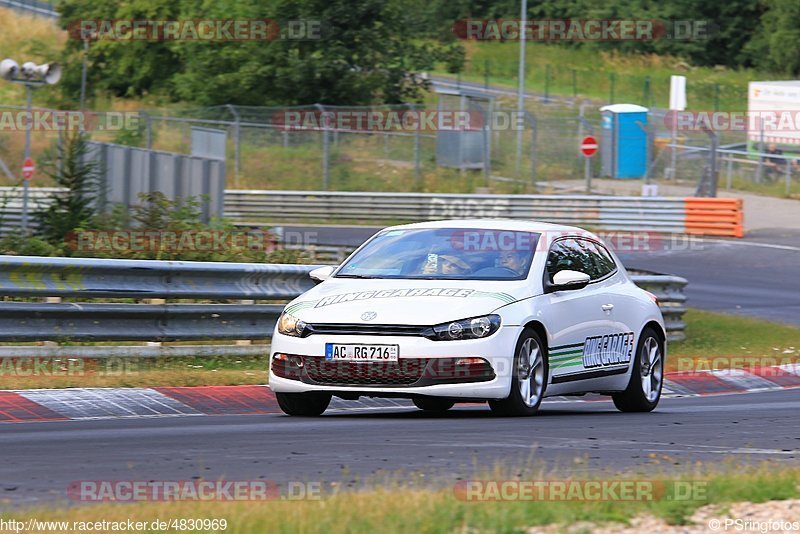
{"points": [[361, 353]]}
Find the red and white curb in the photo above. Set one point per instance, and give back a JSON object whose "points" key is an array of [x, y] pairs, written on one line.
{"points": [[103, 403]]}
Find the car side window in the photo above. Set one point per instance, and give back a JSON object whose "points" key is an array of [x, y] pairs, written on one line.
{"points": [[568, 254], [603, 263]]}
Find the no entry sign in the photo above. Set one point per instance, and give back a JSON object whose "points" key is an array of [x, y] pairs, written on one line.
{"points": [[27, 169], [589, 146]]}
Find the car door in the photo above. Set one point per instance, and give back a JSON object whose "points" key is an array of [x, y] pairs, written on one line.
{"points": [[581, 321]]}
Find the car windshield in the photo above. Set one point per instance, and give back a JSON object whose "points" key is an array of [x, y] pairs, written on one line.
{"points": [[444, 254]]}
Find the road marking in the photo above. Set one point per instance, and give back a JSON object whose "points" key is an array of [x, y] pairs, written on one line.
{"points": [[751, 244]]}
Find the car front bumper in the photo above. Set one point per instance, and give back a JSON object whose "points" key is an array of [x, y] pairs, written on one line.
{"points": [[441, 379]]}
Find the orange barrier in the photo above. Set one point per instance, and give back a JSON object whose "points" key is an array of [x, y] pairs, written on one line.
{"points": [[714, 216]]}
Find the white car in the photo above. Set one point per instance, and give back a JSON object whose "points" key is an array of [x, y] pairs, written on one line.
{"points": [[442, 312]]}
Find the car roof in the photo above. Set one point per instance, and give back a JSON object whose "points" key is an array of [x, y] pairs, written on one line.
{"points": [[499, 224]]}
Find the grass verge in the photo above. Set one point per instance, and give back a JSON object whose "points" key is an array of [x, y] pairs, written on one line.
{"points": [[395, 508], [51, 373], [607, 74], [717, 340]]}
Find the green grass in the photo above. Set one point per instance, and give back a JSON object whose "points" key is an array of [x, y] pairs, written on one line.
{"points": [[593, 70], [720, 340], [399, 507], [64, 372]]}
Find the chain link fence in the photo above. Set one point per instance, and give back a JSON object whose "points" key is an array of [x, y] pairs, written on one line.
{"points": [[262, 151], [556, 82]]}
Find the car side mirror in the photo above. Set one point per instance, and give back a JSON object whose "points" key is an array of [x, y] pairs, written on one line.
{"points": [[321, 274], [569, 280]]}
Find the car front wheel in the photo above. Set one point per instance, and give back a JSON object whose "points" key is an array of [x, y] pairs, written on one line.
{"points": [[303, 404], [528, 378]]}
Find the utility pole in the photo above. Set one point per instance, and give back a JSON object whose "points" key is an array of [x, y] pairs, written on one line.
{"points": [[521, 88]]}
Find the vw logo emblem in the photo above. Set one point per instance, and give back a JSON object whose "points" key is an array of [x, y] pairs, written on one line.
{"points": [[368, 316]]}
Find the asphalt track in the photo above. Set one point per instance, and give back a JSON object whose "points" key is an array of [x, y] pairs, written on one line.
{"points": [[40, 460], [757, 276]]}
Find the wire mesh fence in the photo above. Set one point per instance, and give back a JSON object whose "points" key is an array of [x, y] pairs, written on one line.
{"points": [[264, 149], [556, 82]]}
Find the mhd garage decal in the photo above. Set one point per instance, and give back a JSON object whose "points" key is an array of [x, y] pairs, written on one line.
{"points": [[583, 360], [604, 351]]}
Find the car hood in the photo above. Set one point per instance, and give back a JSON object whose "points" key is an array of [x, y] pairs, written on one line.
{"points": [[409, 302]]}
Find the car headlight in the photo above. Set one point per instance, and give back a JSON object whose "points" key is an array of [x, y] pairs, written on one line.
{"points": [[289, 325], [475, 328]]}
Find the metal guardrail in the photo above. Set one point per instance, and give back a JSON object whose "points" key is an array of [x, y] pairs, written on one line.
{"points": [[31, 276], [658, 214], [126, 279], [654, 214], [671, 298]]}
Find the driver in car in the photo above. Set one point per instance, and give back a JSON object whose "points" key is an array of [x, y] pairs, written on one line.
{"points": [[445, 264], [515, 261]]}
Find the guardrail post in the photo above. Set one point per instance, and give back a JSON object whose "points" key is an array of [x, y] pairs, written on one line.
{"points": [[729, 177], [243, 342], [236, 152], [154, 301]]}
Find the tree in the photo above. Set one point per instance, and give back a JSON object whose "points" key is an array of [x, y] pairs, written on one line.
{"points": [[369, 52], [75, 206], [776, 44]]}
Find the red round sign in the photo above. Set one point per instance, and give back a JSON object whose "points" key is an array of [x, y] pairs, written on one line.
{"points": [[27, 169], [589, 146]]}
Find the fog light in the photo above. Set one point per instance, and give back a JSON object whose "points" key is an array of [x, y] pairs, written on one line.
{"points": [[297, 361], [469, 361]]}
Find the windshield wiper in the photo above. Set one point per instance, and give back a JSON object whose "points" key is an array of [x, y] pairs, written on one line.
{"points": [[354, 276]]}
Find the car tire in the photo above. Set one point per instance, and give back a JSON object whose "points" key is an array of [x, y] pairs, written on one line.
{"points": [[644, 388], [303, 404], [525, 399], [432, 404]]}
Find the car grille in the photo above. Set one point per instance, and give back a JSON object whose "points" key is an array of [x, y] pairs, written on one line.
{"points": [[400, 373], [405, 372], [368, 329]]}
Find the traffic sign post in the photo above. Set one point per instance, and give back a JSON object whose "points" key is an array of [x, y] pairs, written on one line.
{"points": [[27, 169], [588, 148]]}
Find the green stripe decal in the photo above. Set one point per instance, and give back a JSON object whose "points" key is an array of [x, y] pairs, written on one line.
{"points": [[499, 296], [568, 364], [570, 359]]}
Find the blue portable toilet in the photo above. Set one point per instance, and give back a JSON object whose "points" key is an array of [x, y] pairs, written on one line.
{"points": [[623, 140]]}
